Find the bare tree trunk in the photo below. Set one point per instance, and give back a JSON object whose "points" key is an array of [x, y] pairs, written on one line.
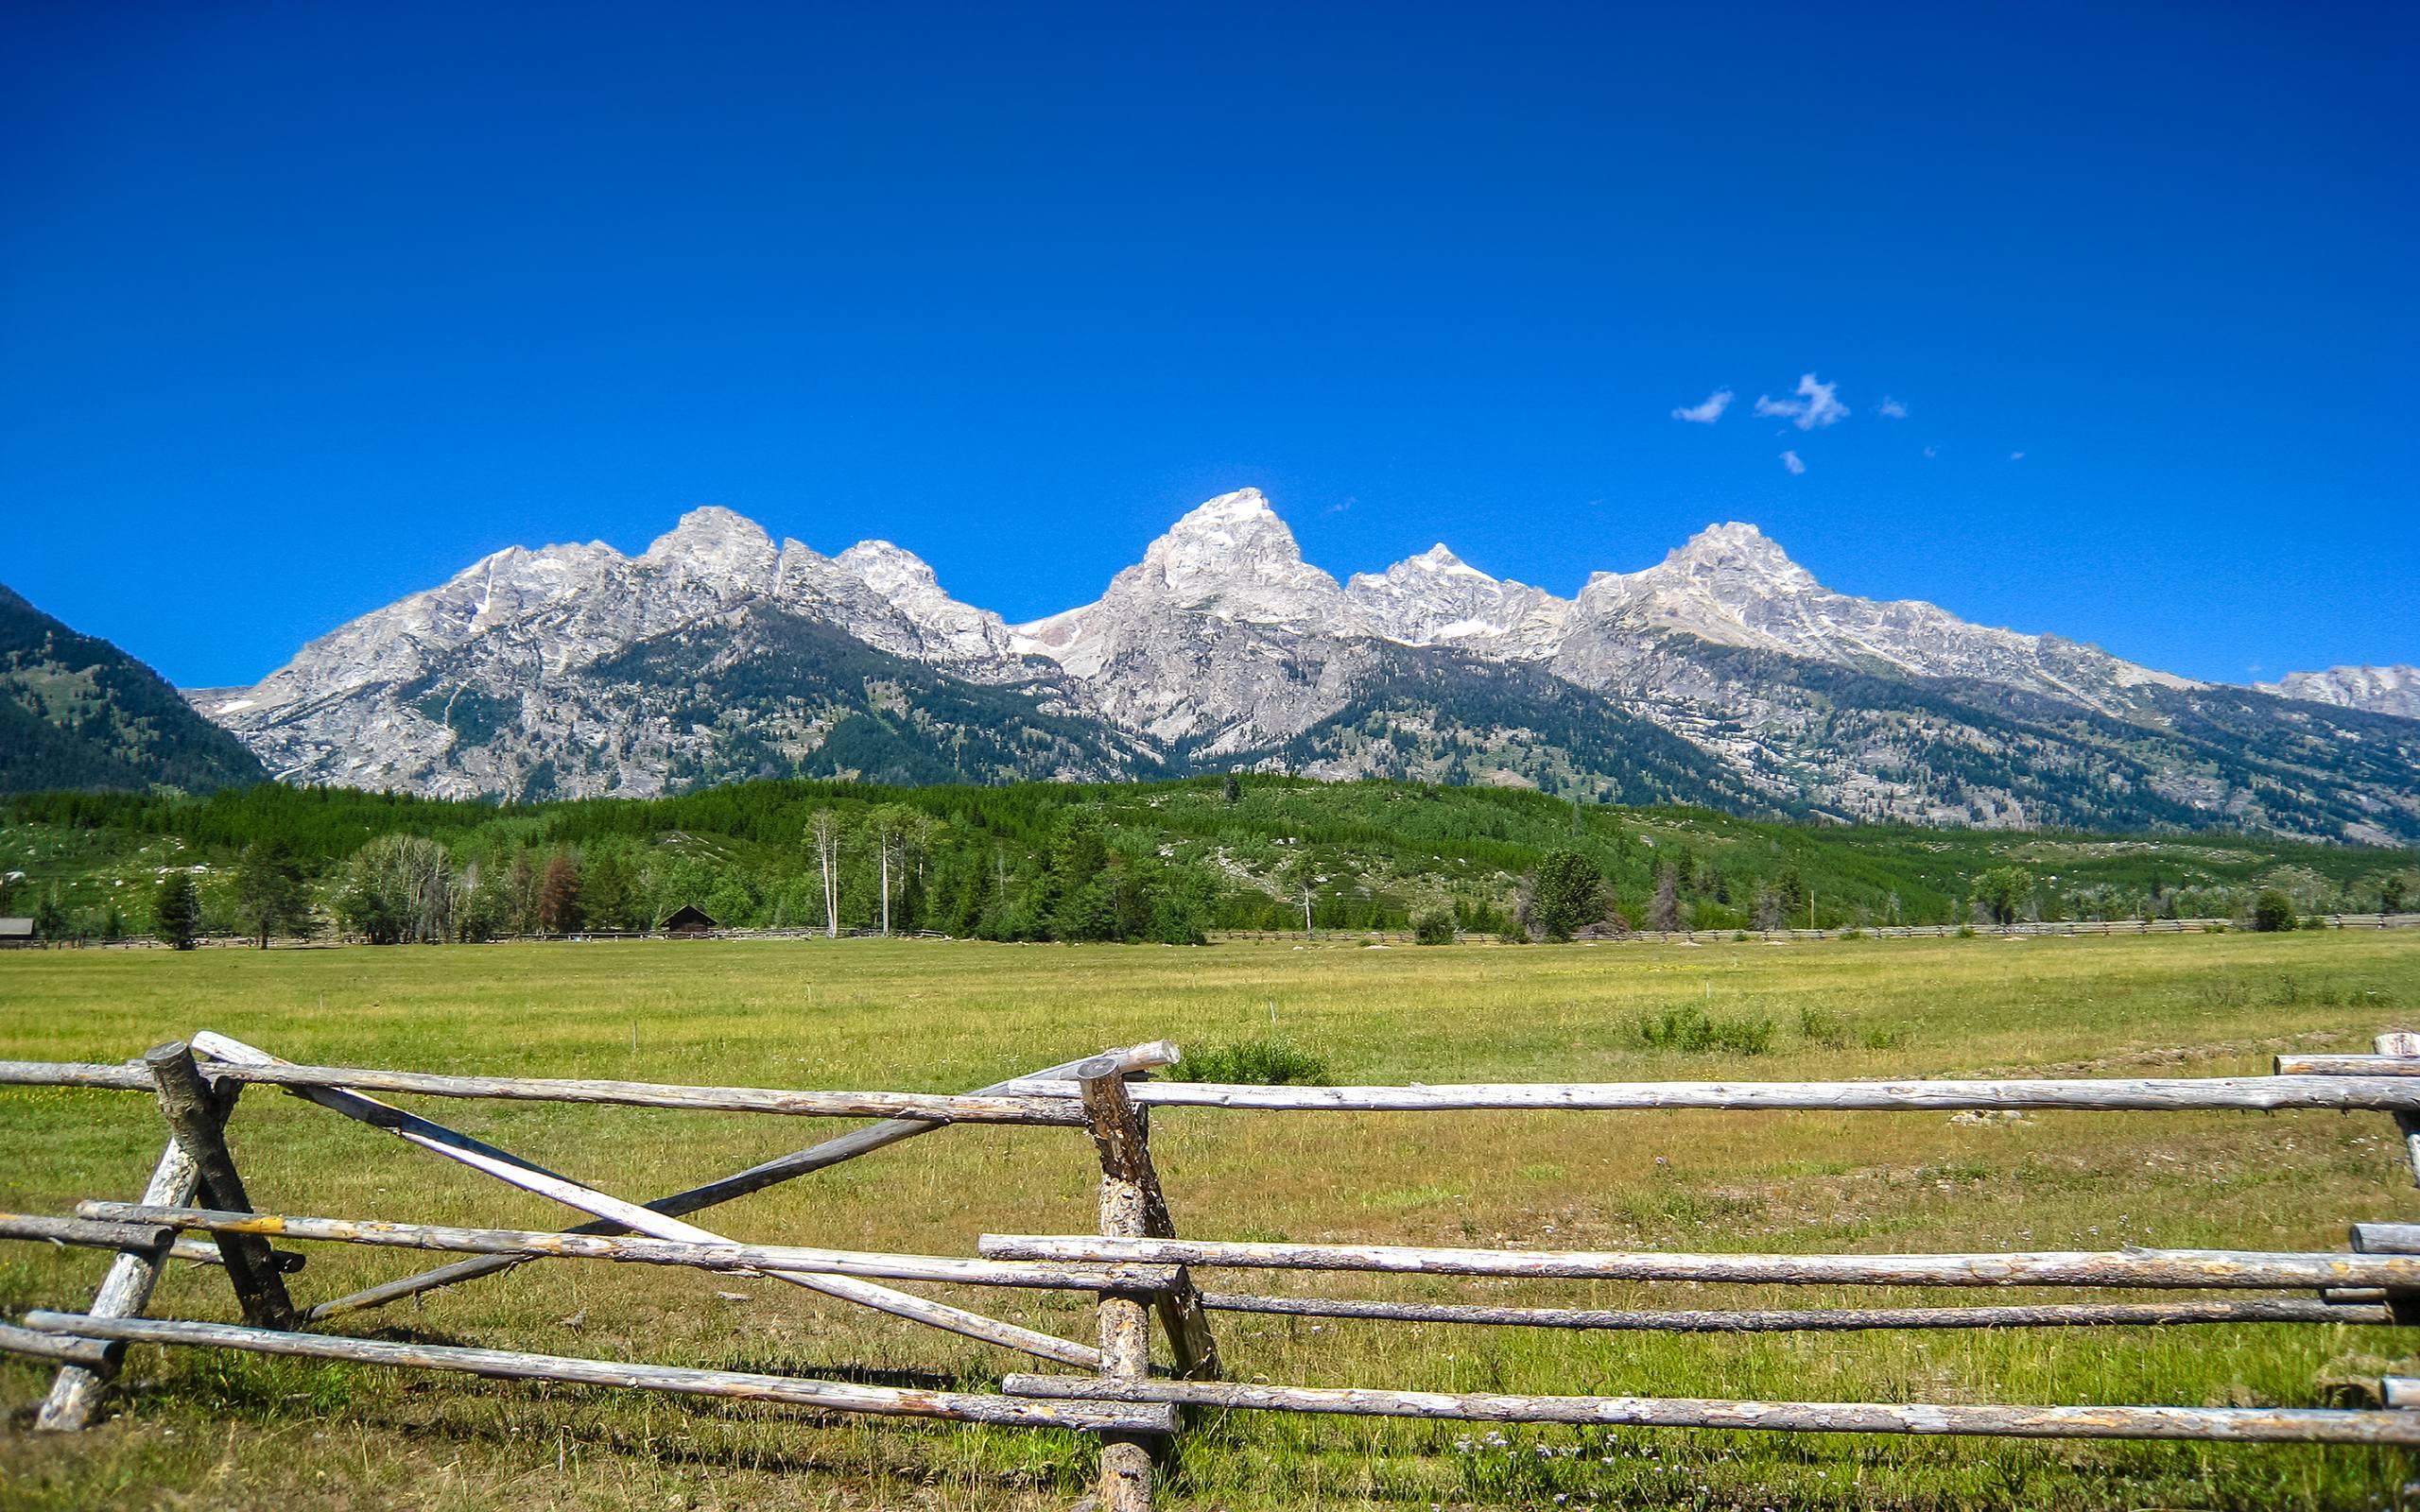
{"points": [[885, 885]]}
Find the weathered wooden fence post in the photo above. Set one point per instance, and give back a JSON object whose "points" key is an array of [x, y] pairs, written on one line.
{"points": [[2403, 1044], [197, 1120], [1125, 1325], [1123, 1134], [2402, 1306], [124, 1293]]}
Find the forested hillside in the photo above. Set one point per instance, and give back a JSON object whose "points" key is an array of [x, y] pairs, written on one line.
{"points": [[77, 712], [1164, 861]]}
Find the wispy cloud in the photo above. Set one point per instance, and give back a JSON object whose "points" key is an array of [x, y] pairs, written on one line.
{"points": [[1789, 461], [1815, 407], [1708, 413], [1932, 450], [2016, 456], [1891, 408]]}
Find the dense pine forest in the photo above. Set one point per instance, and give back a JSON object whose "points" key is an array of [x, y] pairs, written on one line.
{"points": [[1164, 862]]}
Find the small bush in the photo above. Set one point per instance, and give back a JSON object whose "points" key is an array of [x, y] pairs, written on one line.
{"points": [[1436, 928], [1688, 1030], [1887, 1039], [1269, 1060], [1822, 1028], [1965, 932], [2272, 912]]}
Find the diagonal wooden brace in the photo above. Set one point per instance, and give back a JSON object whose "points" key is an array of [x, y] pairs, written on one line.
{"points": [[1134, 1060], [514, 1171], [197, 1121], [124, 1291]]}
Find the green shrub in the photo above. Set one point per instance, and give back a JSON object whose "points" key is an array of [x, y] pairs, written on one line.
{"points": [[1822, 1028], [1433, 928], [1269, 1061], [1688, 1030], [2273, 911]]}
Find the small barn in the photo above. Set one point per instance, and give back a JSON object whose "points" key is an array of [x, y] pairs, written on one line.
{"points": [[16, 934], [689, 921]]}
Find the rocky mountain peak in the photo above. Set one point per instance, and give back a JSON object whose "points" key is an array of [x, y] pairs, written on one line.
{"points": [[944, 628], [1737, 547], [713, 541], [1438, 560], [1437, 597], [2383, 690], [889, 569], [1232, 558]]}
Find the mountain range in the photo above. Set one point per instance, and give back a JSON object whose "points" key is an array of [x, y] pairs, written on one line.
{"points": [[1726, 675]]}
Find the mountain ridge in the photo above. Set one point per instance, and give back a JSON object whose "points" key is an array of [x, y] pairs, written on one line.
{"points": [[76, 711], [1222, 647]]}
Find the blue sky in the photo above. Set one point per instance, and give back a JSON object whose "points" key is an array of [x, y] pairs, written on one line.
{"points": [[305, 307]]}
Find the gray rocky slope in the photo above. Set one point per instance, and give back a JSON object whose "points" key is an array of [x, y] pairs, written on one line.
{"points": [[1724, 674], [2394, 690]]}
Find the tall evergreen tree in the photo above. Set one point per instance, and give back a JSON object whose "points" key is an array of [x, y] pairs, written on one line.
{"points": [[271, 897], [177, 911]]}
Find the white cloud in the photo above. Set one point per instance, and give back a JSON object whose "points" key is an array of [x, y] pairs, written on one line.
{"points": [[1708, 413], [1814, 408], [1891, 408], [2016, 456], [1932, 450], [1789, 461]]}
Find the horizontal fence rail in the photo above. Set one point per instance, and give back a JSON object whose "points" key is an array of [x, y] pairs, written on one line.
{"points": [[1056, 1102], [1810, 1320], [2277, 1425], [830, 1395], [1116, 1276], [2189, 1269]]}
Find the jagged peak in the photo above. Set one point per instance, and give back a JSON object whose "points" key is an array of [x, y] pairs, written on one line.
{"points": [[888, 568], [1439, 559], [711, 529], [1736, 543], [1242, 507], [1234, 532]]}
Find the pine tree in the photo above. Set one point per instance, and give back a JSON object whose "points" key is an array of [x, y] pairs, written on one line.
{"points": [[270, 895], [605, 888], [177, 911]]}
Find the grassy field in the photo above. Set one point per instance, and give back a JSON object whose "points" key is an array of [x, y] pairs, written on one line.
{"points": [[203, 1430]]}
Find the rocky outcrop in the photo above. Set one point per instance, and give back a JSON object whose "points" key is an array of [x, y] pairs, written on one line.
{"points": [[2394, 690]]}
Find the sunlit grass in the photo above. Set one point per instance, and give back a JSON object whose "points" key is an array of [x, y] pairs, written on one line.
{"points": [[216, 1430]]}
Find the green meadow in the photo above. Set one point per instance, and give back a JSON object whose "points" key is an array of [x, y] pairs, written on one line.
{"points": [[194, 1429]]}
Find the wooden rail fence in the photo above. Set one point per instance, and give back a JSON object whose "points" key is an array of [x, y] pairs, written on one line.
{"points": [[1137, 1265]]}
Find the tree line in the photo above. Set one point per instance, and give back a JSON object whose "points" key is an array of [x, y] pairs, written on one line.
{"points": [[1162, 861]]}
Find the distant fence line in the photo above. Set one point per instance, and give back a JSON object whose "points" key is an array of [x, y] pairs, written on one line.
{"points": [[1592, 935], [1137, 1265], [1595, 934]]}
